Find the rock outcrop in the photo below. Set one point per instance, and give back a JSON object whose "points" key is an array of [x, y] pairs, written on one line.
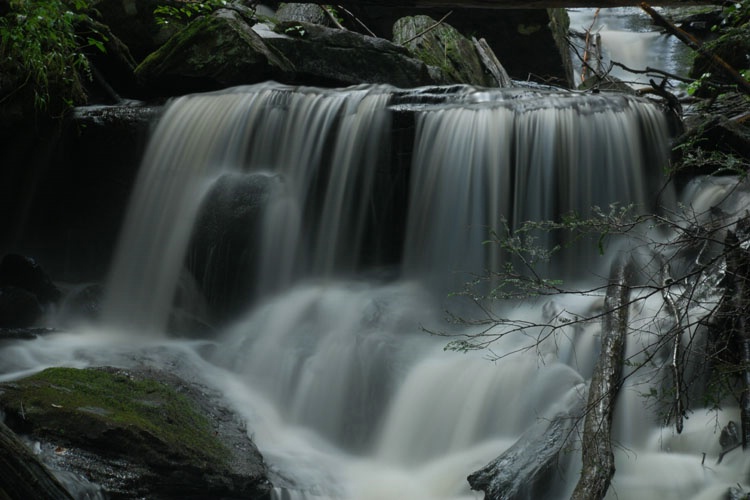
{"points": [[135, 434], [442, 46]]}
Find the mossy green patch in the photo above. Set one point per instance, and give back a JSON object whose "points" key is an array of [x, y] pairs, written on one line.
{"points": [[115, 409], [443, 47]]}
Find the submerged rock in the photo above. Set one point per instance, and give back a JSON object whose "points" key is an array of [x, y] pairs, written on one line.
{"points": [[136, 433], [224, 248]]}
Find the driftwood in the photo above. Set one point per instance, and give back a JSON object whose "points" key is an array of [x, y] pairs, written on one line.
{"points": [[491, 62], [22, 475], [527, 465], [356, 19], [696, 45], [598, 457]]}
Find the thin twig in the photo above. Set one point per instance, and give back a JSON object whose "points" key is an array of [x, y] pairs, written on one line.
{"points": [[333, 18], [356, 19]]}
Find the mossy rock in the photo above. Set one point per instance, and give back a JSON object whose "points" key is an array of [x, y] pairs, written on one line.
{"points": [[442, 47], [215, 51], [149, 419]]}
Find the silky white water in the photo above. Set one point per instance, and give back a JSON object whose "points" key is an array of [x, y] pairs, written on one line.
{"points": [[344, 391]]}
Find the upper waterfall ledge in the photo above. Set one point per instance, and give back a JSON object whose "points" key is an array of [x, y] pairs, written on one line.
{"points": [[518, 4]]}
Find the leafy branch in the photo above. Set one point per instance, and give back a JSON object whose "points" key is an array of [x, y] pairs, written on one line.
{"points": [[40, 45]]}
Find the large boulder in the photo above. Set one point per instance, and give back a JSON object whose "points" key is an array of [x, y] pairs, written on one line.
{"points": [[223, 50], [326, 56], [224, 248], [444, 47], [215, 51], [136, 434], [303, 12], [530, 43], [25, 289], [19, 308]]}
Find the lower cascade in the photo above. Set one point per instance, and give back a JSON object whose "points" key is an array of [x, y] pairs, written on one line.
{"points": [[296, 248]]}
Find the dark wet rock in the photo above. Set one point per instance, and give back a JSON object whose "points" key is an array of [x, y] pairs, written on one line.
{"points": [[18, 308], [223, 50], [82, 302], [442, 47], [24, 272], [303, 12], [190, 315], [529, 43], [716, 138], [23, 333], [136, 433], [224, 248], [607, 84], [339, 57]]}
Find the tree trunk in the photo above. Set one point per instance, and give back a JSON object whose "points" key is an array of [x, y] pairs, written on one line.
{"points": [[735, 307], [528, 467], [22, 475], [598, 458]]}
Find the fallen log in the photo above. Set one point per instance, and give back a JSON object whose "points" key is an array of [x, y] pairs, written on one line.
{"points": [[491, 62], [692, 42], [524, 469], [597, 455], [22, 475]]}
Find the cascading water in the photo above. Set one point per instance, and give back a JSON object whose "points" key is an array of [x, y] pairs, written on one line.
{"points": [[345, 394]]}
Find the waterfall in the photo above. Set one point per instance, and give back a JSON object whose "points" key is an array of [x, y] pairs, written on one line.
{"points": [[338, 222], [518, 155], [527, 157]]}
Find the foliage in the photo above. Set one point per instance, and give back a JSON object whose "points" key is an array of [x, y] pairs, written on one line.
{"points": [[678, 262], [41, 47], [334, 13], [184, 12]]}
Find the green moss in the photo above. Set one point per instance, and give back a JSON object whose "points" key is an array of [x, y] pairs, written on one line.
{"points": [[94, 401]]}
